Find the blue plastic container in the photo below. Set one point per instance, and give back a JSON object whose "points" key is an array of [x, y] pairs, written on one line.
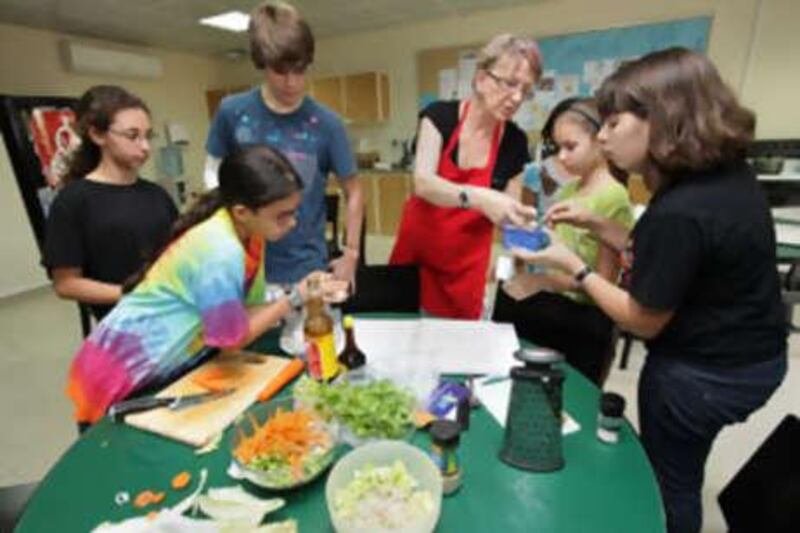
{"points": [[529, 239]]}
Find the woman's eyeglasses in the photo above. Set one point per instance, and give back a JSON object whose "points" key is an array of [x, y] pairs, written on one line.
{"points": [[512, 86], [135, 135]]}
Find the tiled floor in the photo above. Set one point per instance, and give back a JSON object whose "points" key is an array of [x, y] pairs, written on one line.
{"points": [[40, 333]]}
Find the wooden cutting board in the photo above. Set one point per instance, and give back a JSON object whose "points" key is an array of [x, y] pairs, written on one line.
{"points": [[198, 424]]}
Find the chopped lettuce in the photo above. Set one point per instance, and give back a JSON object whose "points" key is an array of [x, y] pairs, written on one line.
{"points": [[377, 409], [386, 497]]}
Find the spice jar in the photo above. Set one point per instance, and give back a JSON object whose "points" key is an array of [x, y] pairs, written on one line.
{"points": [[610, 419], [445, 436]]}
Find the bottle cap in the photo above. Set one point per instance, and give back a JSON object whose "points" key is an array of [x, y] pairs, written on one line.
{"points": [[348, 321], [445, 432], [612, 404]]}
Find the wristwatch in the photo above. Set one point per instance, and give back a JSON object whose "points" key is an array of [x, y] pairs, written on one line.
{"points": [[294, 296], [582, 273], [463, 199]]}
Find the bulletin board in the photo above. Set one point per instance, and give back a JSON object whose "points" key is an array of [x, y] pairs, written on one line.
{"points": [[574, 64]]}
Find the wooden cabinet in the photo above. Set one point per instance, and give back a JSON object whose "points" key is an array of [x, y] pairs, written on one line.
{"points": [[330, 92], [360, 99], [385, 193]]}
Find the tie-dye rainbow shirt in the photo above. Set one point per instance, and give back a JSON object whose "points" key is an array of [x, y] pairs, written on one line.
{"points": [[195, 294]]}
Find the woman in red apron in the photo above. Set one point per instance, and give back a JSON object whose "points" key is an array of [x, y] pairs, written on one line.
{"points": [[467, 176]]}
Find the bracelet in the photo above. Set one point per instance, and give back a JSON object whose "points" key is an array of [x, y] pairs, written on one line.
{"points": [[294, 296], [463, 199], [582, 273]]}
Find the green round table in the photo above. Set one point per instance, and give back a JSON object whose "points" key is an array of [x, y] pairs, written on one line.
{"points": [[601, 488]]}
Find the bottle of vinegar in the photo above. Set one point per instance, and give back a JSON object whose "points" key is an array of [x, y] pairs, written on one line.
{"points": [[318, 329]]}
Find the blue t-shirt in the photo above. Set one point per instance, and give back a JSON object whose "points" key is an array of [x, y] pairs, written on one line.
{"points": [[313, 138]]}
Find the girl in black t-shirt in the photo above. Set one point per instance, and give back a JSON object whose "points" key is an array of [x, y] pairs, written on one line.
{"points": [[704, 289], [106, 221]]}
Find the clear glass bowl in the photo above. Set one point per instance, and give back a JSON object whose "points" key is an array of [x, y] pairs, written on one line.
{"points": [[273, 471], [384, 453]]}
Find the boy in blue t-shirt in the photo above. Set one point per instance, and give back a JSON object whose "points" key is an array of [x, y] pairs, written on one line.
{"points": [[310, 135]]}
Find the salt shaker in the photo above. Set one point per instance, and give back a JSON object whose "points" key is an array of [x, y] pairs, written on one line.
{"points": [[610, 419]]}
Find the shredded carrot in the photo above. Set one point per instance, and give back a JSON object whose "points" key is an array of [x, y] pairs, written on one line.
{"points": [[290, 435], [158, 497], [286, 375], [152, 515], [181, 480]]}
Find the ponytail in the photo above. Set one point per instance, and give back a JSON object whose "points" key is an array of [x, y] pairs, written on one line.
{"points": [[253, 176], [202, 209]]}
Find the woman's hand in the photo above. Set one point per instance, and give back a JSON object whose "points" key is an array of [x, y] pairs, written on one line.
{"points": [[556, 255], [501, 208], [526, 285], [569, 212]]}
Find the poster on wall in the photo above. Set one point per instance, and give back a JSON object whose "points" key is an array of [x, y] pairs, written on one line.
{"points": [[38, 133], [575, 64]]}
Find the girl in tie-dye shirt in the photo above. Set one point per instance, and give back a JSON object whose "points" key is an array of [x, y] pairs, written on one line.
{"points": [[206, 287]]}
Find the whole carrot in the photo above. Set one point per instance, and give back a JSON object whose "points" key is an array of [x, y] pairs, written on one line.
{"points": [[278, 382]]}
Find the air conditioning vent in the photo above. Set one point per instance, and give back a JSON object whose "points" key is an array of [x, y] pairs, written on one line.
{"points": [[87, 59]]}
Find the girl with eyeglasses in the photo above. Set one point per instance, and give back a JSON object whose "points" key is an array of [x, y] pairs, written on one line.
{"points": [[107, 220], [467, 178], [548, 307]]}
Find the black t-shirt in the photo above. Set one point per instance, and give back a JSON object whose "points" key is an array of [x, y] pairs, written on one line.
{"points": [[108, 231], [705, 248], [512, 154]]}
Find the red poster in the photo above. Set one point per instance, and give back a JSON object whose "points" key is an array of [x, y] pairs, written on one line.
{"points": [[53, 137]]}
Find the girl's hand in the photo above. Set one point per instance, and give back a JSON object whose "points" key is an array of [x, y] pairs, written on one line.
{"points": [[526, 285], [569, 212], [556, 255], [501, 208]]}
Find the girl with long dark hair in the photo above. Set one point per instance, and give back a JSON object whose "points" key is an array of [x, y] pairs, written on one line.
{"points": [[205, 288], [106, 221], [704, 289]]}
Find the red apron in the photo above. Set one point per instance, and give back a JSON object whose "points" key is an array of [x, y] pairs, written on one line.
{"points": [[451, 245]]}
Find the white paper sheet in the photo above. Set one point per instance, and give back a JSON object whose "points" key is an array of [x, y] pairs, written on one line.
{"points": [[448, 84], [494, 393], [430, 345], [467, 65]]}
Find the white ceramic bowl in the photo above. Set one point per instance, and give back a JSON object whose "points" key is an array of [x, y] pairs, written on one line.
{"points": [[385, 453]]}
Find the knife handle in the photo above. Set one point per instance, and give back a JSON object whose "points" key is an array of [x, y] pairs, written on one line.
{"points": [[119, 410]]}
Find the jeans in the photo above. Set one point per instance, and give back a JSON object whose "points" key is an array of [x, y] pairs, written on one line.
{"points": [[682, 408]]}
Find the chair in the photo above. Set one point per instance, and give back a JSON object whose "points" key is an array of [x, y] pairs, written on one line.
{"points": [[333, 238], [627, 344], [332, 225], [385, 288], [12, 502], [790, 293], [86, 317], [763, 495]]}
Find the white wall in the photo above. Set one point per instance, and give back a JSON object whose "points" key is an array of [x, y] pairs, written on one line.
{"points": [[394, 50], [178, 95]]}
